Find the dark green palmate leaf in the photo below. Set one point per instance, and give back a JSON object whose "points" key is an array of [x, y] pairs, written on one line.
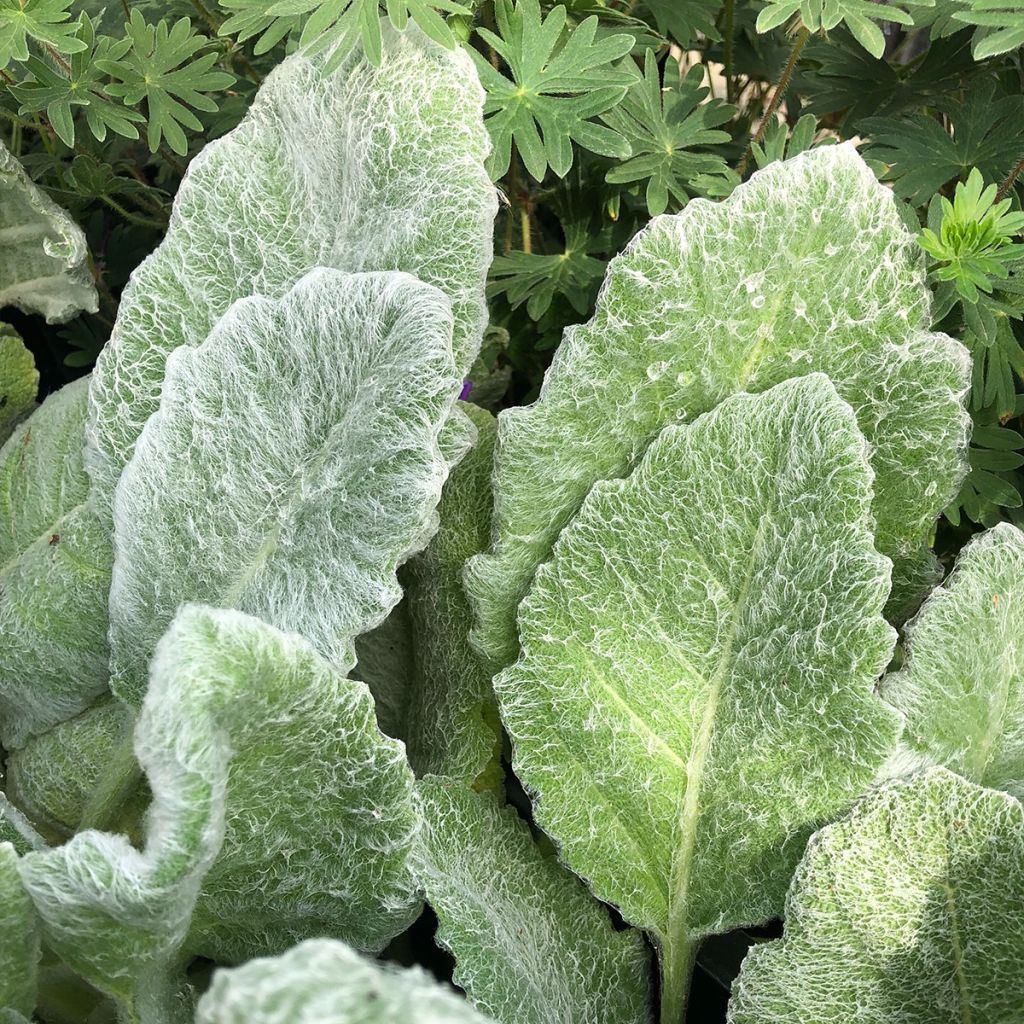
{"points": [[859, 16], [558, 84], [909, 911], [781, 144], [1001, 22], [986, 131], [161, 68], [79, 89], [335, 26], [696, 689], [46, 22], [537, 278], [669, 127]]}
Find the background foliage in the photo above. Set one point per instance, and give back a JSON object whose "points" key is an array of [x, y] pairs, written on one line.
{"points": [[603, 114]]}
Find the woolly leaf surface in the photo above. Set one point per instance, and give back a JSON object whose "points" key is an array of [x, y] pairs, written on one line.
{"points": [[908, 911], [325, 982], [806, 267], [17, 830], [432, 689], [699, 656], [293, 463], [531, 945], [53, 575], [19, 380], [363, 169], [54, 776], [962, 690], [43, 253], [243, 732], [19, 940]]}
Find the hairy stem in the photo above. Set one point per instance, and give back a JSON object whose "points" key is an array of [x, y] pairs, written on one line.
{"points": [[678, 954], [1010, 179], [780, 90], [728, 33]]}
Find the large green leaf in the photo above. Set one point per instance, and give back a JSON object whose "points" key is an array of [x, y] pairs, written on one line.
{"points": [[805, 267], [322, 981], [531, 945], [244, 733], [54, 554], [431, 688], [57, 778], [962, 690], [43, 254], [293, 463], [909, 911], [361, 169], [19, 380], [699, 656], [19, 941]]}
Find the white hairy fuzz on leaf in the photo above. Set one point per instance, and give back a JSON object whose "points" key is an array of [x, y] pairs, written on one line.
{"points": [[362, 169], [232, 866], [962, 689], [324, 982], [19, 943], [54, 554], [293, 464], [531, 945], [806, 267], [696, 686], [43, 253], [432, 689], [19, 380], [908, 911]]}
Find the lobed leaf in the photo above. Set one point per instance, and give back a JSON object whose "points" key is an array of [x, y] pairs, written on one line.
{"points": [[53, 577], [233, 866], [362, 169], [699, 656], [805, 267], [960, 691], [531, 945], [43, 256], [908, 911], [320, 981], [293, 463]]}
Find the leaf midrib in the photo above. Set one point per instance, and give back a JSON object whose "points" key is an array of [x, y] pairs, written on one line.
{"points": [[682, 865]]}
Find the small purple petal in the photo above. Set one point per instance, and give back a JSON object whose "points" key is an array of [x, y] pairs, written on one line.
{"points": [[467, 386]]}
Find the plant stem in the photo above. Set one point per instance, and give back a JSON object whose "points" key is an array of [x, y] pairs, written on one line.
{"points": [[1010, 179], [787, 72], [677, 954], [728, 33], [113, 788]]}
